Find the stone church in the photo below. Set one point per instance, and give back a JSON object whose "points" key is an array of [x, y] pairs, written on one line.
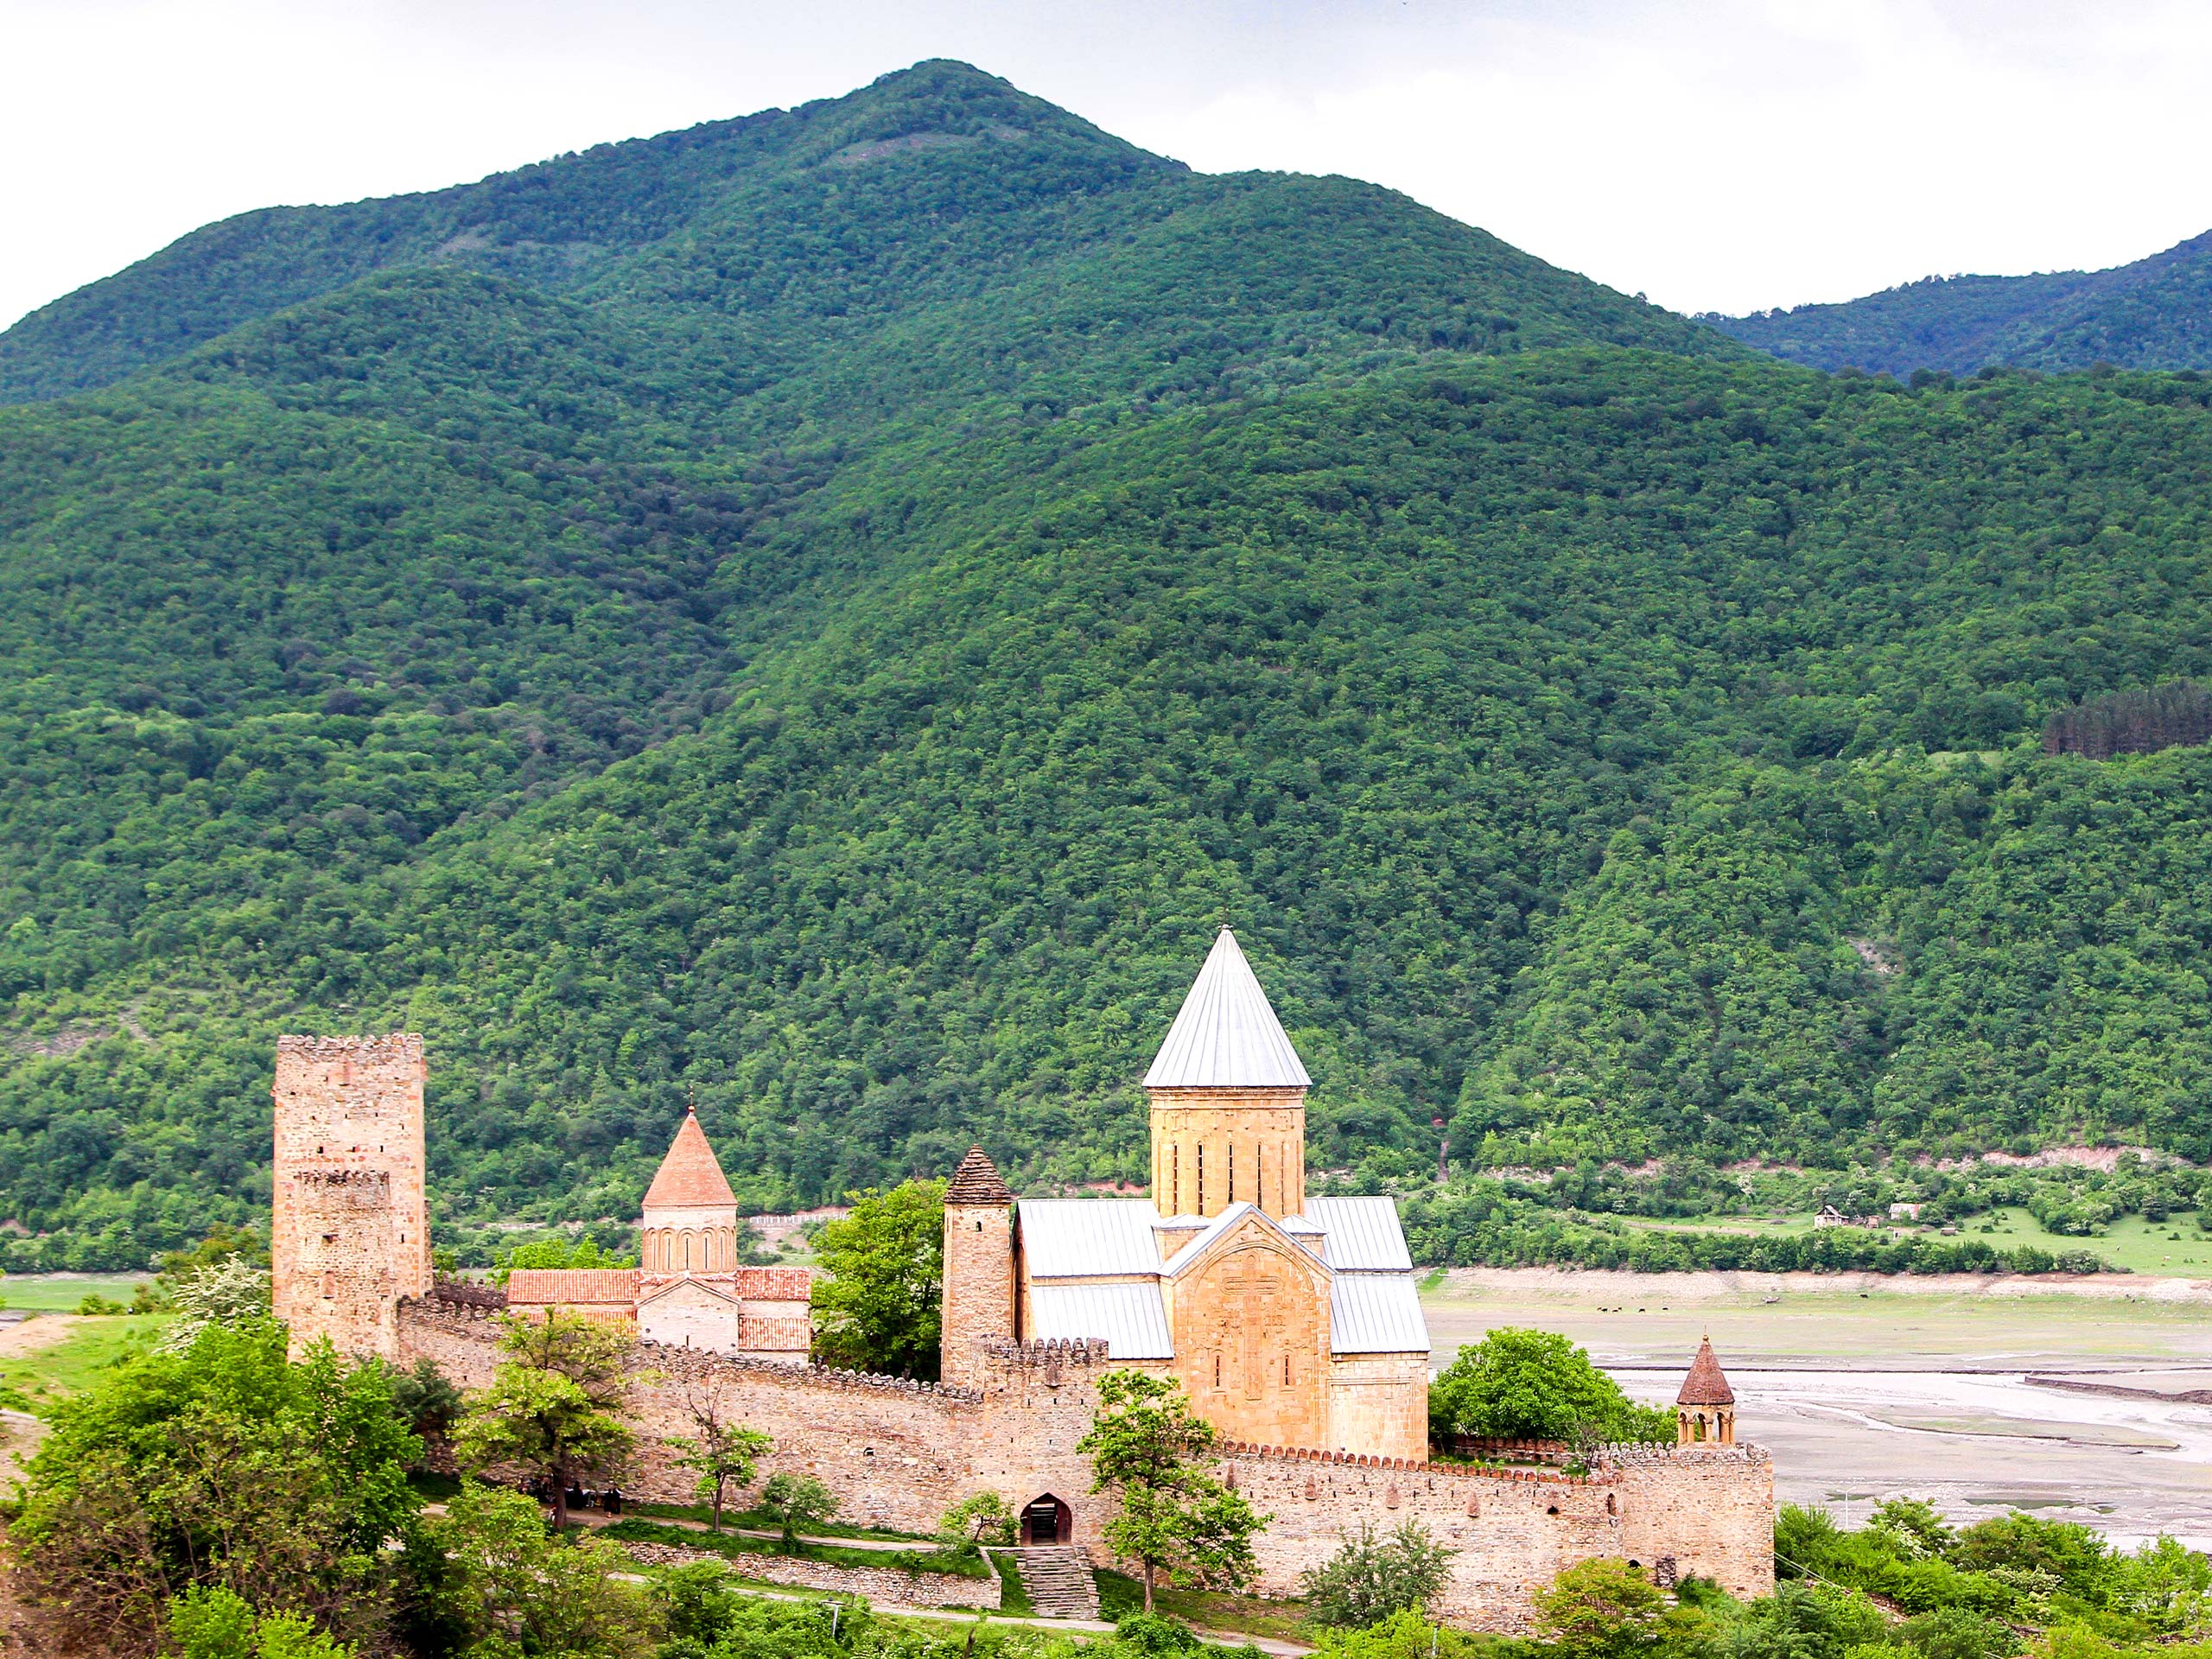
{"points": [[1289, 1320]]}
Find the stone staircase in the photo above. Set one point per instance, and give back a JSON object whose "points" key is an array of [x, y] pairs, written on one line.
{"points": [[1058, 1581]]}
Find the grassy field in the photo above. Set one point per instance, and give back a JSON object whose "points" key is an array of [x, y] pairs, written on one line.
{"points": [[59, 1293], [2174, 1247], [44, 1374]]}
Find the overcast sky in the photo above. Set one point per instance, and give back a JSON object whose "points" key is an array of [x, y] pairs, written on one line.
{"points": [[1724, 155]]}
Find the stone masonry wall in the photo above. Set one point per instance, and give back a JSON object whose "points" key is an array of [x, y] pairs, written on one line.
{"points": [[1213, 1147], [978, 1286], [899, 1454], [878, 1583], [1251, 1339], [349, 1225], [1707, 1509], [1510, 1531], [1380, 1403]]}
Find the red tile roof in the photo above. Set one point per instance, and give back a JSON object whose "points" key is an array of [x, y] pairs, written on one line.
{"points": [[1706, 1385], [689, 1176], [570, 1286]]}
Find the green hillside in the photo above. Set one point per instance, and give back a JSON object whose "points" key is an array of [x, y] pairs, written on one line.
{"points": [[842, 656], [2155, 314]]}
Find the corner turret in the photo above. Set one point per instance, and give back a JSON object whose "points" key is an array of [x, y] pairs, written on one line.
{"points": [[979, 1298], [1705, 1411]]}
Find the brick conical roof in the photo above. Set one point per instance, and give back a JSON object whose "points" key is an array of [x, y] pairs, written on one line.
{"points": [[1706, 1385], [977, 1181], [1226, 1035], [689, 1176]]}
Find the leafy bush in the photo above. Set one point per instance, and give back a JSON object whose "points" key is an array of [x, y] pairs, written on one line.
{"points": [[1369, 1579]]}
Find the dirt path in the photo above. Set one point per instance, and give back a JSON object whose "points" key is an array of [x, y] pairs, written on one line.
{"points": [[29, 1335]]}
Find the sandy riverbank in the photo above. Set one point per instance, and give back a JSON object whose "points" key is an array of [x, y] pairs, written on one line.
{"points": [[1866, 1386]]}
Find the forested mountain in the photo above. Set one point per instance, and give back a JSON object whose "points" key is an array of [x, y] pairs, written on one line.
{"points": [[840, 652], [2155, 314]]}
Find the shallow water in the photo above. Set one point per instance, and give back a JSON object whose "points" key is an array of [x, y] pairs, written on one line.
{"points": [[1974, 1444], [1863, 1392]]}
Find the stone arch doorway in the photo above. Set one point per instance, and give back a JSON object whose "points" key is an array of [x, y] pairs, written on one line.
{"points": [[1045, 1520]]}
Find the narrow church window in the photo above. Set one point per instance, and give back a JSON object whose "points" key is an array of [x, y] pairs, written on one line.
{"points": [[1202, 1178], [1216, 1370], [1286, 1370], [1232, 1172], [1175, 1198]]}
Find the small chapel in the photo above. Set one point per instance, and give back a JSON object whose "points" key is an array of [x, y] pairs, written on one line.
{"points": [[689, 1289], [1289, 1320]]}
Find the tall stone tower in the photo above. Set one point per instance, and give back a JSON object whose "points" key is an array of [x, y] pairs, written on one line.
{"points": [[1228, 1095], [350, 1227], [690, 1214], [978, 1268]]}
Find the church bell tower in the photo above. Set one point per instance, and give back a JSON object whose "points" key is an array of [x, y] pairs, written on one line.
{"points": [[1228, 1096]]}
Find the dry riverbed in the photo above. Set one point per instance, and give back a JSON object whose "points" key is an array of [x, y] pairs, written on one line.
{"points": [[1866, 1387]]}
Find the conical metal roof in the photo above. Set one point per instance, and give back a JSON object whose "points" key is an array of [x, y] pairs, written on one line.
{"points": [[1227, 1035], [1706, 1385], [691, 1177]]}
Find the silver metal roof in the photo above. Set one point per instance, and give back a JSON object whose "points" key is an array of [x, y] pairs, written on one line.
{"points": [[1364, 1234], [1227, 1035], [1131, 1317], [1375, 1313], [1088, 1238]]}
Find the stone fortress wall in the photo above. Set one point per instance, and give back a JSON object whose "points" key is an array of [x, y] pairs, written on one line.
{"points": [[352, 1264], [897, 1454]]}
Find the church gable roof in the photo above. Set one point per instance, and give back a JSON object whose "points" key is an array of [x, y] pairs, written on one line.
{"points": [[1239, 1217], [689, 1176], [1226, 1035], [1706, 1385], [977, 1181], [697, 1292]]}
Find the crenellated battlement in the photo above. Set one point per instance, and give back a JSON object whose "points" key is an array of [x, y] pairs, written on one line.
{"points": [[1056, 1351], [478, 1320], [1408, 1466], [396, 1045], [1652, 1454]]}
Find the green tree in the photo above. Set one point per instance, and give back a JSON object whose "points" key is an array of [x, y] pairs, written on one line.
{"points": [[511, 1588], [230, 1291], [1520, 1383], [226, 1466], [554, 1406], [980, 1518], [1371, 1579], [1147, 1447], [721, 1453], [795, 1503], [428, 1400], [878, 1310], [1600, 1609], [212, 1622]]}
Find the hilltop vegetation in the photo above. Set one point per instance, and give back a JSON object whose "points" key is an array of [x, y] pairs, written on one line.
{"points": [[841, 659], [2154, 313]]}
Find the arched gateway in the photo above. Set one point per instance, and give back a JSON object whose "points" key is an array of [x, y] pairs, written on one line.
{"points": [[1047, 1520]]}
